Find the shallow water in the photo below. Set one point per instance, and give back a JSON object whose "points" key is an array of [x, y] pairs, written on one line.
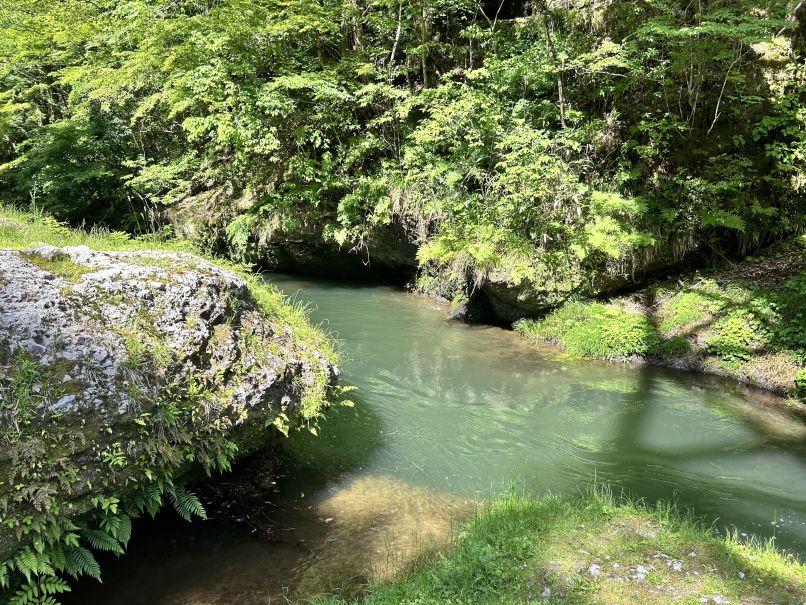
{"points": [[447, 414]]}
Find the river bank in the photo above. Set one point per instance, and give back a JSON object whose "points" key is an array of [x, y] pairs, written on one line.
{"points": [[448, 413], [744, 321], [592, 549], [736, 319]]}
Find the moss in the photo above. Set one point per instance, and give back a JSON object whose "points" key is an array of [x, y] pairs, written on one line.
{"points": [[58, 264], [593, 549]]}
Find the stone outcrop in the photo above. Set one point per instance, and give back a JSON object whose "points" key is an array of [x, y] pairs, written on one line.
{"points": [[118, 367]]}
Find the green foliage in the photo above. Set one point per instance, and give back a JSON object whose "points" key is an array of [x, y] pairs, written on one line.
{"points": [[789, 332], [672, 348], [186, 503], [594, 330], [689, 307], [576, 139], [800, 384], [59, 550], [735, 338]]}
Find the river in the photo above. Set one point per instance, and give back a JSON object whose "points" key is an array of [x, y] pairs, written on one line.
{"points": [[446, 415]]}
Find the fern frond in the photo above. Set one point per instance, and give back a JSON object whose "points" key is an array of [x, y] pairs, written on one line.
{"points": [[30, 563], [100, 540], [53, 585], [186, 503], [149, 498], [118, 526], [40, 591], [81, 562], [56, 556], [4, 569]]}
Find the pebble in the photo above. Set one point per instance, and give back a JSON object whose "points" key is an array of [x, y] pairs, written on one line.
{"points": [[67, 402], [716, 599], [641, 572]]}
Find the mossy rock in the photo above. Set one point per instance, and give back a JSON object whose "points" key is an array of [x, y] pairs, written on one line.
{"points": [[119, 369]]}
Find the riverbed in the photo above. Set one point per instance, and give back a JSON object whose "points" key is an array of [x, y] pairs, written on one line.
{"points": [[445, 416]]}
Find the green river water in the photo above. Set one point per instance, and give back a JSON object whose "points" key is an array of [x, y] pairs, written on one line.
{"points": [[447, 414]]}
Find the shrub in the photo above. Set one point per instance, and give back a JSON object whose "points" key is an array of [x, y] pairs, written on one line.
{"points": [[800, 384]]}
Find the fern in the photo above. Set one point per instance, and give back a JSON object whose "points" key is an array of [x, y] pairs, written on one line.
{"points": [[5, 568], [149, 498], [100, 540], [40, 591], [118, 526], [30, 563], [56, 557], [186, 503], [78, 561]]}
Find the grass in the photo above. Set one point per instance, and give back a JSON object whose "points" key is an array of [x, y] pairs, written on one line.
{"points": [[746, 322], [596, 549], [589, 329]]}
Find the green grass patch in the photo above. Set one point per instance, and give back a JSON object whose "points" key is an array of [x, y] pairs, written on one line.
{"points": [[58, 264], [596, 549], [590, 329]]}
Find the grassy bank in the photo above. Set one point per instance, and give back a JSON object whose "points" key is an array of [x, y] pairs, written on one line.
{"points": [[746, 321], [595, 549]]}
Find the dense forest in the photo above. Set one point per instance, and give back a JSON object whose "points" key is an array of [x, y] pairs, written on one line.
{"points": [[574, 138]]}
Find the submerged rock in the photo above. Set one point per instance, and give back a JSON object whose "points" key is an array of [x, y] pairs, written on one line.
{"points": [[122, 368]]}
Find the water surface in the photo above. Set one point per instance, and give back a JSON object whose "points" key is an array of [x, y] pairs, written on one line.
{"points": [[447, 414]]}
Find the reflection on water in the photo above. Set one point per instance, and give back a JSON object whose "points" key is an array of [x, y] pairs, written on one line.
{"points": [[447, 413]]}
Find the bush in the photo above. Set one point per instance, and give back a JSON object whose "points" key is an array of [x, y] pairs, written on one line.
{"points": [[800, 384]]}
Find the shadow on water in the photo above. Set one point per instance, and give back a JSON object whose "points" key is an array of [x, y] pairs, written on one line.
{"points": [[652, 468]]}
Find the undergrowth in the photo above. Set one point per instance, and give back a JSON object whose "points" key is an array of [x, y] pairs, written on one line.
{"points": [[590, 329]]}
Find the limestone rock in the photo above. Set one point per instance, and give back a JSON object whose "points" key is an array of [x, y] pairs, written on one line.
{"points": [[112, 364]]}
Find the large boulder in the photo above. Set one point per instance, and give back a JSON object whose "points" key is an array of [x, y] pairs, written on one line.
{"points": [[122, 368]]}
